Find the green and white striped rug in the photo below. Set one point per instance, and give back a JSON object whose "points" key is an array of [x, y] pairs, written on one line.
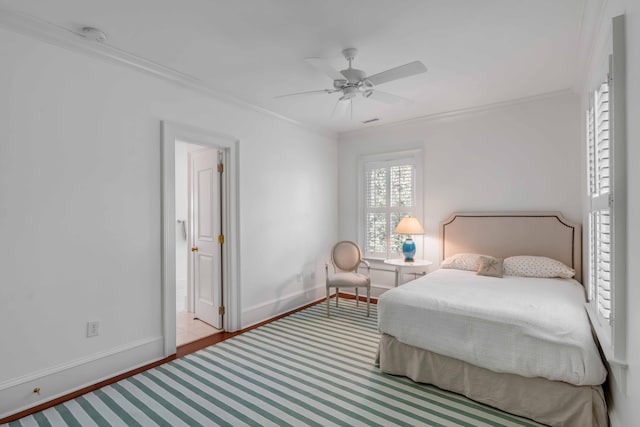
{"points": [[304, 369]]}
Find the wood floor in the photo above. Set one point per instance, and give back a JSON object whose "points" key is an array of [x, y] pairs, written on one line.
{"points": [[189, 329]]}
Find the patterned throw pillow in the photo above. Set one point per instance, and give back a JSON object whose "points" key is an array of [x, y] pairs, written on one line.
{"points": [[462, 262], [490, 266], [536, 266]]}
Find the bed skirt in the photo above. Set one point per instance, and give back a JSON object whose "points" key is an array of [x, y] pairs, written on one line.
{"points": [[549, 402]]}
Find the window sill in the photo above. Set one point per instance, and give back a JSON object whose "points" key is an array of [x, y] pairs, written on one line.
{"points": [[617, 366], [373, 259]]}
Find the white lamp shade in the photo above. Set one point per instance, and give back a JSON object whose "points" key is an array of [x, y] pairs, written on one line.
{"points": [[409, 225]]}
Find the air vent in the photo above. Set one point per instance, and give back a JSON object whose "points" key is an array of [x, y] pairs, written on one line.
{"points": [[94, 34], [371, 120]]}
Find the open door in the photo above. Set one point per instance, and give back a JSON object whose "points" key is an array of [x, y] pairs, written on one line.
{"points": [[207, 235]]}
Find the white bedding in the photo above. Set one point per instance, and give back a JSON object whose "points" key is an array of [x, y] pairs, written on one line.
{"points": [[521, 325]]}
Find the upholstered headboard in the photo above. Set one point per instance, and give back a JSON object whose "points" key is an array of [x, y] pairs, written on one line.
{"points": [[505, 234]]}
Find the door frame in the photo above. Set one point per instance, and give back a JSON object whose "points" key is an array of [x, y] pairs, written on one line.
{"points": [[170, 133]]}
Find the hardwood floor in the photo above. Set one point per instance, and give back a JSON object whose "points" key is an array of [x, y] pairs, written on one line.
{"points": [[189, 329]]}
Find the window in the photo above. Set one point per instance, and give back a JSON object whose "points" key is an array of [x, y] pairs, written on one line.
{"points": [[390, 191], [599, 169], [606, 206]]}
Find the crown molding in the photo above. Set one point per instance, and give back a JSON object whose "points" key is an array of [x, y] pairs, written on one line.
{"points": [[468, 111], [68, 39]]}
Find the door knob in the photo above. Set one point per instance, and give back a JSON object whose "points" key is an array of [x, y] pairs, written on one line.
{"points": [[194, 249]]}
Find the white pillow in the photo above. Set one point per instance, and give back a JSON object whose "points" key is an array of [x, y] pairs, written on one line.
{"points": [[536, 266], [462, 262]]}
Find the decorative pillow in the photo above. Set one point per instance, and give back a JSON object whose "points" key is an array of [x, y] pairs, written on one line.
{"points": [[490, 266], [462, 262], [536, 266]]}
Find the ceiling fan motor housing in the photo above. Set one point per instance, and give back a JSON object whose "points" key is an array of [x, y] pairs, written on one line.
{"points": [[353, 75]]}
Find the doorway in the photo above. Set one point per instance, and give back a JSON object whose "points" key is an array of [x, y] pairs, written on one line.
{"points": [[199, 213], [199, 234]]}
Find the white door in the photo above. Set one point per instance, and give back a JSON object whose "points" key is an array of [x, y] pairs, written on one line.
{"points": [[206, 229]]}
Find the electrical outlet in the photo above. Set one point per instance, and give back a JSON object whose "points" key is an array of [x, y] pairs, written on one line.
{"points": [[93, 329]]}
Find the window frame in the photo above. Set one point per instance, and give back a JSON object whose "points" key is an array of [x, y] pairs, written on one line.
{"points": [[416, 157], [612, 332]]}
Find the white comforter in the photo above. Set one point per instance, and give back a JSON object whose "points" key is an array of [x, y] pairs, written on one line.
{"points": [[527, 326]]}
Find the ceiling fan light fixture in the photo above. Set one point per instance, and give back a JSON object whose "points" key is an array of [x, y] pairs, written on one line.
{"points": [[349, 92]]}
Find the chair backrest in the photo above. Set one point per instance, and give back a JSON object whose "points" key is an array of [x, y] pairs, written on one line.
{"points": [[345, 255]]}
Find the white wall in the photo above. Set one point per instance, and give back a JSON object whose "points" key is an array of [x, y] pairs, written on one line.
{"points": [[523, 156], [624, 410], [80, 214]]}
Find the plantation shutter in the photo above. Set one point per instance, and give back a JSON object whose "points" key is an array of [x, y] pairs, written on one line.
{"points": [[600, 216], [376, 182], [389, 197]]}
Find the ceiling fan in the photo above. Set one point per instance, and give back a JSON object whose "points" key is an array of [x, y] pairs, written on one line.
{"points": [[352, 82]]}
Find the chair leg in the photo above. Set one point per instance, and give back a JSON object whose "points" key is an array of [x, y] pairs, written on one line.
{"points": [[357, 298], [337, 295], [328, 296], [368, 300]]}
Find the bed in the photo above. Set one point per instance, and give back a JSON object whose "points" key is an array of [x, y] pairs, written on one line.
{"points": [[520, 344]]}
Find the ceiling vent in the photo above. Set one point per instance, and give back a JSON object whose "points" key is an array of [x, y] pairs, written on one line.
{"points": [[94, 34]]}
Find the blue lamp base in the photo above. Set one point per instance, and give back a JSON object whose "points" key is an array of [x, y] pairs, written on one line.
{"points": [[408, 250]]}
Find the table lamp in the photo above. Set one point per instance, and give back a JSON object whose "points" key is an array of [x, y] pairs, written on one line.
{"points": [[409, 225]]}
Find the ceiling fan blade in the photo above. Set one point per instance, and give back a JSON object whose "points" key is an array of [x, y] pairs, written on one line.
{"points": [[389, 98], [407, 70], [323, 65], [340, 108], [306, 92]]}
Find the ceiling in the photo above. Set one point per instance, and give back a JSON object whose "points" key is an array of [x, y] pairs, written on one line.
{"points": [[477, 52]]}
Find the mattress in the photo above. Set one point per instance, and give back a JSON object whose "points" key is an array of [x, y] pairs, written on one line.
{"points": [[526, 326]]}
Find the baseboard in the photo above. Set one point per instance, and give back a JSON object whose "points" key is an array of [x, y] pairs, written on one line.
{"points": [[372, 300], [17, 395], [277, 306]]}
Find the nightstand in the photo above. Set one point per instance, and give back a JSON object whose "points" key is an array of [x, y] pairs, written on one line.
{"points": [[418, 265]]}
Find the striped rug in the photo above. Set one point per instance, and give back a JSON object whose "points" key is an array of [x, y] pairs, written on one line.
{"points": [[302, 370]]}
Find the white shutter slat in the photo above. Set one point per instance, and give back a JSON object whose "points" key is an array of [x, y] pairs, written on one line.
{"points": [[402, 185], [601, 142], [376, 187], [603, 262], [389, 187], [592, 256], [376, 198], [591, 163], [599, 187]]}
